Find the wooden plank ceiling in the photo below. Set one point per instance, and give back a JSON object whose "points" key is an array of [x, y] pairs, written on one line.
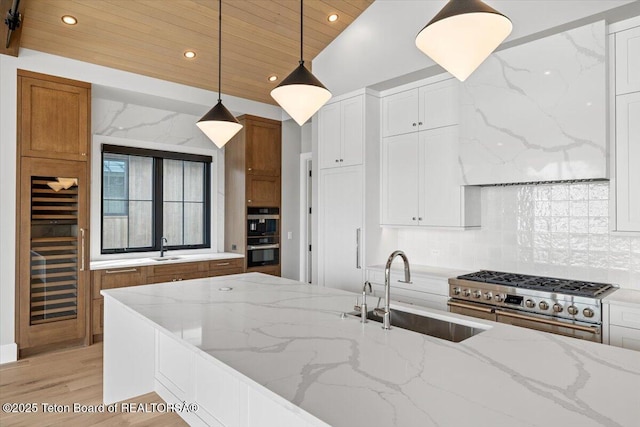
{"points": [[259, 37]]}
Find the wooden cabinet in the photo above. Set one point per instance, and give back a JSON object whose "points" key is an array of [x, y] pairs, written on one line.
{"points": [[252, 178], [627, 161], [421, 183], [263, 191], [263, 145], [340, 228], [427, 107], [142, 275], [627, 61], [341, 131], [54, 117], [53, 255]]}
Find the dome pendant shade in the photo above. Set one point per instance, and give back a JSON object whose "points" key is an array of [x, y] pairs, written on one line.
{"points": [[219, 125], [301, 94], [462, 35]]}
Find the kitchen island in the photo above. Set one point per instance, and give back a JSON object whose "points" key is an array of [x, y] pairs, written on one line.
{"points": [[257, 350]]}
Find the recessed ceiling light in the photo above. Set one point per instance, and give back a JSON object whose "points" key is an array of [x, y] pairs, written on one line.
{"points": [[189, 54], [69, 20], [333, 17], [273, 78], [546, 73]]}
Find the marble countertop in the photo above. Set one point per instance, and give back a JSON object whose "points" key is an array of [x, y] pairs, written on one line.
{"points": [[291, 339], [626, 297], [139, 262]]}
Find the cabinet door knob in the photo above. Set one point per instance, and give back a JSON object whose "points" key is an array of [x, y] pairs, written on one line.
{"points": [[414, 218], [341, 160], [419, 218], [337, 160], [249, 201], [414, 124], [420, 123], [249, 169]]}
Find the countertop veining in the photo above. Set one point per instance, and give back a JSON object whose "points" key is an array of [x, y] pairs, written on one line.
{"points": [[290, 338]]}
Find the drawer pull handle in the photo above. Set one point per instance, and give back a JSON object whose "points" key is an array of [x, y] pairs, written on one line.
{"points": [[222, 263], [127, 270]]}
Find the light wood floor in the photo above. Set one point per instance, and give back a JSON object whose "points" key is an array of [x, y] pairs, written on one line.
{"points": [[64, 378]]}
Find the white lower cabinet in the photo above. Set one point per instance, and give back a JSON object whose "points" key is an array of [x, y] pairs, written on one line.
{"points": [[341, 228], [421, 181], [624, 326]]}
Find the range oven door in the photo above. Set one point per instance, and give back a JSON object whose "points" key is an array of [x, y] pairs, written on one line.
{"points": [[260, 255], [582, 330], [472, 310]]}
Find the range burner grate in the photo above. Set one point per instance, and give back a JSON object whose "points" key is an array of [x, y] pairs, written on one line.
{"points": [[548, 284]]}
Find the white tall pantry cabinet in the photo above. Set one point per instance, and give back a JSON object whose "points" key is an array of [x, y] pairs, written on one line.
{"points": [[348, 157]]}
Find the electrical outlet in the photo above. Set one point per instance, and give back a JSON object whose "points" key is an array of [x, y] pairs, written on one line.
{"points": [[289, 235]]}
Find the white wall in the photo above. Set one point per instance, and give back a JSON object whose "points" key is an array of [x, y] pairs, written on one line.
{"points": [[559, 230], [380, 44], [290, 207], [196, 99]]}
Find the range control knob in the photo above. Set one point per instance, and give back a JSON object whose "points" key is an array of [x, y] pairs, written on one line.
{"points": [[456, 291], [498, 298], [477, 294], [572, 310], [530, 303], [543, 305], [466, 292], [557, 308], [488, 296], [587, 312]]}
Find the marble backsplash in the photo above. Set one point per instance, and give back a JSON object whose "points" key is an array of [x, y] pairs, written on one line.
{"points": [[559, 230]]}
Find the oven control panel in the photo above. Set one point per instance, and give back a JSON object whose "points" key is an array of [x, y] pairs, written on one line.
{"points": [[563, 306]]}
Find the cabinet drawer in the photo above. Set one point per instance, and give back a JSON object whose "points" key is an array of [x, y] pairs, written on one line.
{"points": [[97, 317], [225, 264], [177, 277], [274, 270], [624, 316], [620, 336], [225, 271], [178, 268], [117, 278]]}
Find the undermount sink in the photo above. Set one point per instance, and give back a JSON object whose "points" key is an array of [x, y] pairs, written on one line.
{"points": [[454, 332], [166, 258]]}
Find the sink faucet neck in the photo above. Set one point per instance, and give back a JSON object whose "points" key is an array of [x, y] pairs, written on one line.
{"points": [[163, 242], [386, 319]]}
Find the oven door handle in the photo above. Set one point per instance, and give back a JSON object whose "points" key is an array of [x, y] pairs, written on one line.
{"points": [[470, 307], [258, 247], [591, 329]]}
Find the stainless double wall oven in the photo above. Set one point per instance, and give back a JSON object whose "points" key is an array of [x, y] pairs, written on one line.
{"points": [[263, 236]]}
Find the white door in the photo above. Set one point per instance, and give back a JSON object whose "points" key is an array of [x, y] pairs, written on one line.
{"points": [[628, 162], [400, 113], [439, 105], [340, 224], [352, 132], [440, 190], [400, 179], [329, 135]]}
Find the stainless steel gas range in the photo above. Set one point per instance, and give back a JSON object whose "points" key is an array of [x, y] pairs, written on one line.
{"points": [[566, 307]]}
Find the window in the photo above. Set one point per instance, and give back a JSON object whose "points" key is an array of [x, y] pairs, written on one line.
{"points": [[149, 194]]}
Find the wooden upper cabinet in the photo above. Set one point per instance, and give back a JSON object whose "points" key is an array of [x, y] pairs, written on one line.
{"points": [[53, 117], [263, 139]]}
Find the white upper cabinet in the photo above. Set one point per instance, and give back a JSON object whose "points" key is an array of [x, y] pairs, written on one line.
{"points": [[628, 61], [628, 162], [439, 105], [428, 107], [421, 181], [538, 111], [400, 113], [400, 165], [341, 133]]}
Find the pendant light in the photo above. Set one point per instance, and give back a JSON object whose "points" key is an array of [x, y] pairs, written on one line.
{"points": [[462, 35], [219, 124], [301, 94]]}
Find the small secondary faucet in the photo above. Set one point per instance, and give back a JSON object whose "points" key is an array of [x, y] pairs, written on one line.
{"points": [[363, 307], [163, 242], [386, 312]]}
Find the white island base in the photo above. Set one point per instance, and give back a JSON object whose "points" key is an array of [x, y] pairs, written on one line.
{"points": [[274, 352]]}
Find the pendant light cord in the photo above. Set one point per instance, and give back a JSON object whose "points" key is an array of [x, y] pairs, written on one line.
{"points": [[219, 48], [301, 29]]}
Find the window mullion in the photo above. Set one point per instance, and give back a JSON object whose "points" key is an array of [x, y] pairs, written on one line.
{"points": [[158, 215]]}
